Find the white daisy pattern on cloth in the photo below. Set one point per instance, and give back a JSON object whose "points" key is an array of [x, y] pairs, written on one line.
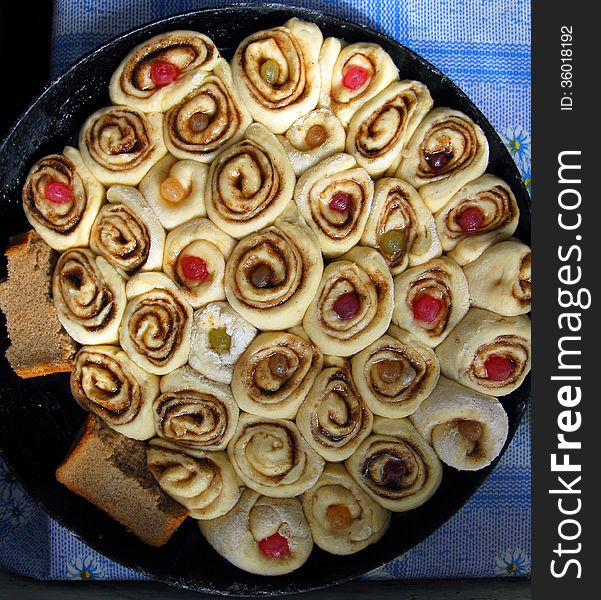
{"points": [[512, 563], [85, 568], [517, 140]]}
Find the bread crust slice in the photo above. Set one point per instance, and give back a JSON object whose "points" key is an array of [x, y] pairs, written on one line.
{"points": [[39, 344], [109, 470]]}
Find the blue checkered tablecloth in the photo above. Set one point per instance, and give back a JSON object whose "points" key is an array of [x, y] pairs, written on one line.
{"points": [[484, 46]]}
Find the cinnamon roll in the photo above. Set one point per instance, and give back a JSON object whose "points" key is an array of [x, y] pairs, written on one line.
{"points": [[127, 232], [351, 74], [106, 382], [353, 305], [89, 296], [219, 337], [175, 190], [380, 129], [272, 458], [342, 517], [446, 151], [466, 429], [333, 418], [335, 198], [157, 324], [509, 291], [272, 276], [400, 226], [119, 144], [276, 73], [395, 374], [275, 373], [204, 482], [481, 213], [431, 299], [266, 536], [313, 138], [249, 184], [487, 352], [195, 412], [396, 466], [61, 199], [195, 257], [156, 74], [208, 120]]}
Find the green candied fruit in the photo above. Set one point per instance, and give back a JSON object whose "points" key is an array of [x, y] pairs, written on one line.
{"points": [[270, 71], [219, 339], [393, 242]]}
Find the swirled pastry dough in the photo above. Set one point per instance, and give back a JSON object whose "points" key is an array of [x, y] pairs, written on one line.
{"points": [[487, 352], [342, 517], [429, 300], [481, 213], [239, 535], [336, 59], [127, 232], [119, 144], [219, 337], [208, 120], [466, 429], [396, 466], [175, 190], [204, 482], [395, 373], [106, 382], [291, 88], [334, 418], [401, 226], [353, 305], [272, 275], [380, 129], [446, 151], [194, 411], [509, 291], [335, 197], [190, 54], [275, 373], [67, 223], [89, 296], [157, 324], [272, 458], [313, 138], [195, 257], [250, 184]]}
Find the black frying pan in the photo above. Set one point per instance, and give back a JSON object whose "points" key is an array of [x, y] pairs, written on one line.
{"points": [[39, 419]]}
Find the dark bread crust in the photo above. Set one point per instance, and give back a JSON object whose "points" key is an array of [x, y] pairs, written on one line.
{"points": [[109, 470]]}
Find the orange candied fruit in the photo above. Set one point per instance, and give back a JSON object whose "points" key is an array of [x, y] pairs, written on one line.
{"points": [[172, 190]]}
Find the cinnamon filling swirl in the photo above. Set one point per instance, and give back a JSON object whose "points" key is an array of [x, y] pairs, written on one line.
{"points": [[59, 217], [121, 237], [515, 352], [191, 418], [80, 291], [522, 290], [450, 145]]}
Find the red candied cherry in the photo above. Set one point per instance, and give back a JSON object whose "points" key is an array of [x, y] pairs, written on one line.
{"points": [[470, 219], [58, 192], [427, 308], [355, 77], [274, 546], [439, 158], [347, 305], [393, 472], [163, 72], [340, 202], [194, 268], [498, 368]]}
